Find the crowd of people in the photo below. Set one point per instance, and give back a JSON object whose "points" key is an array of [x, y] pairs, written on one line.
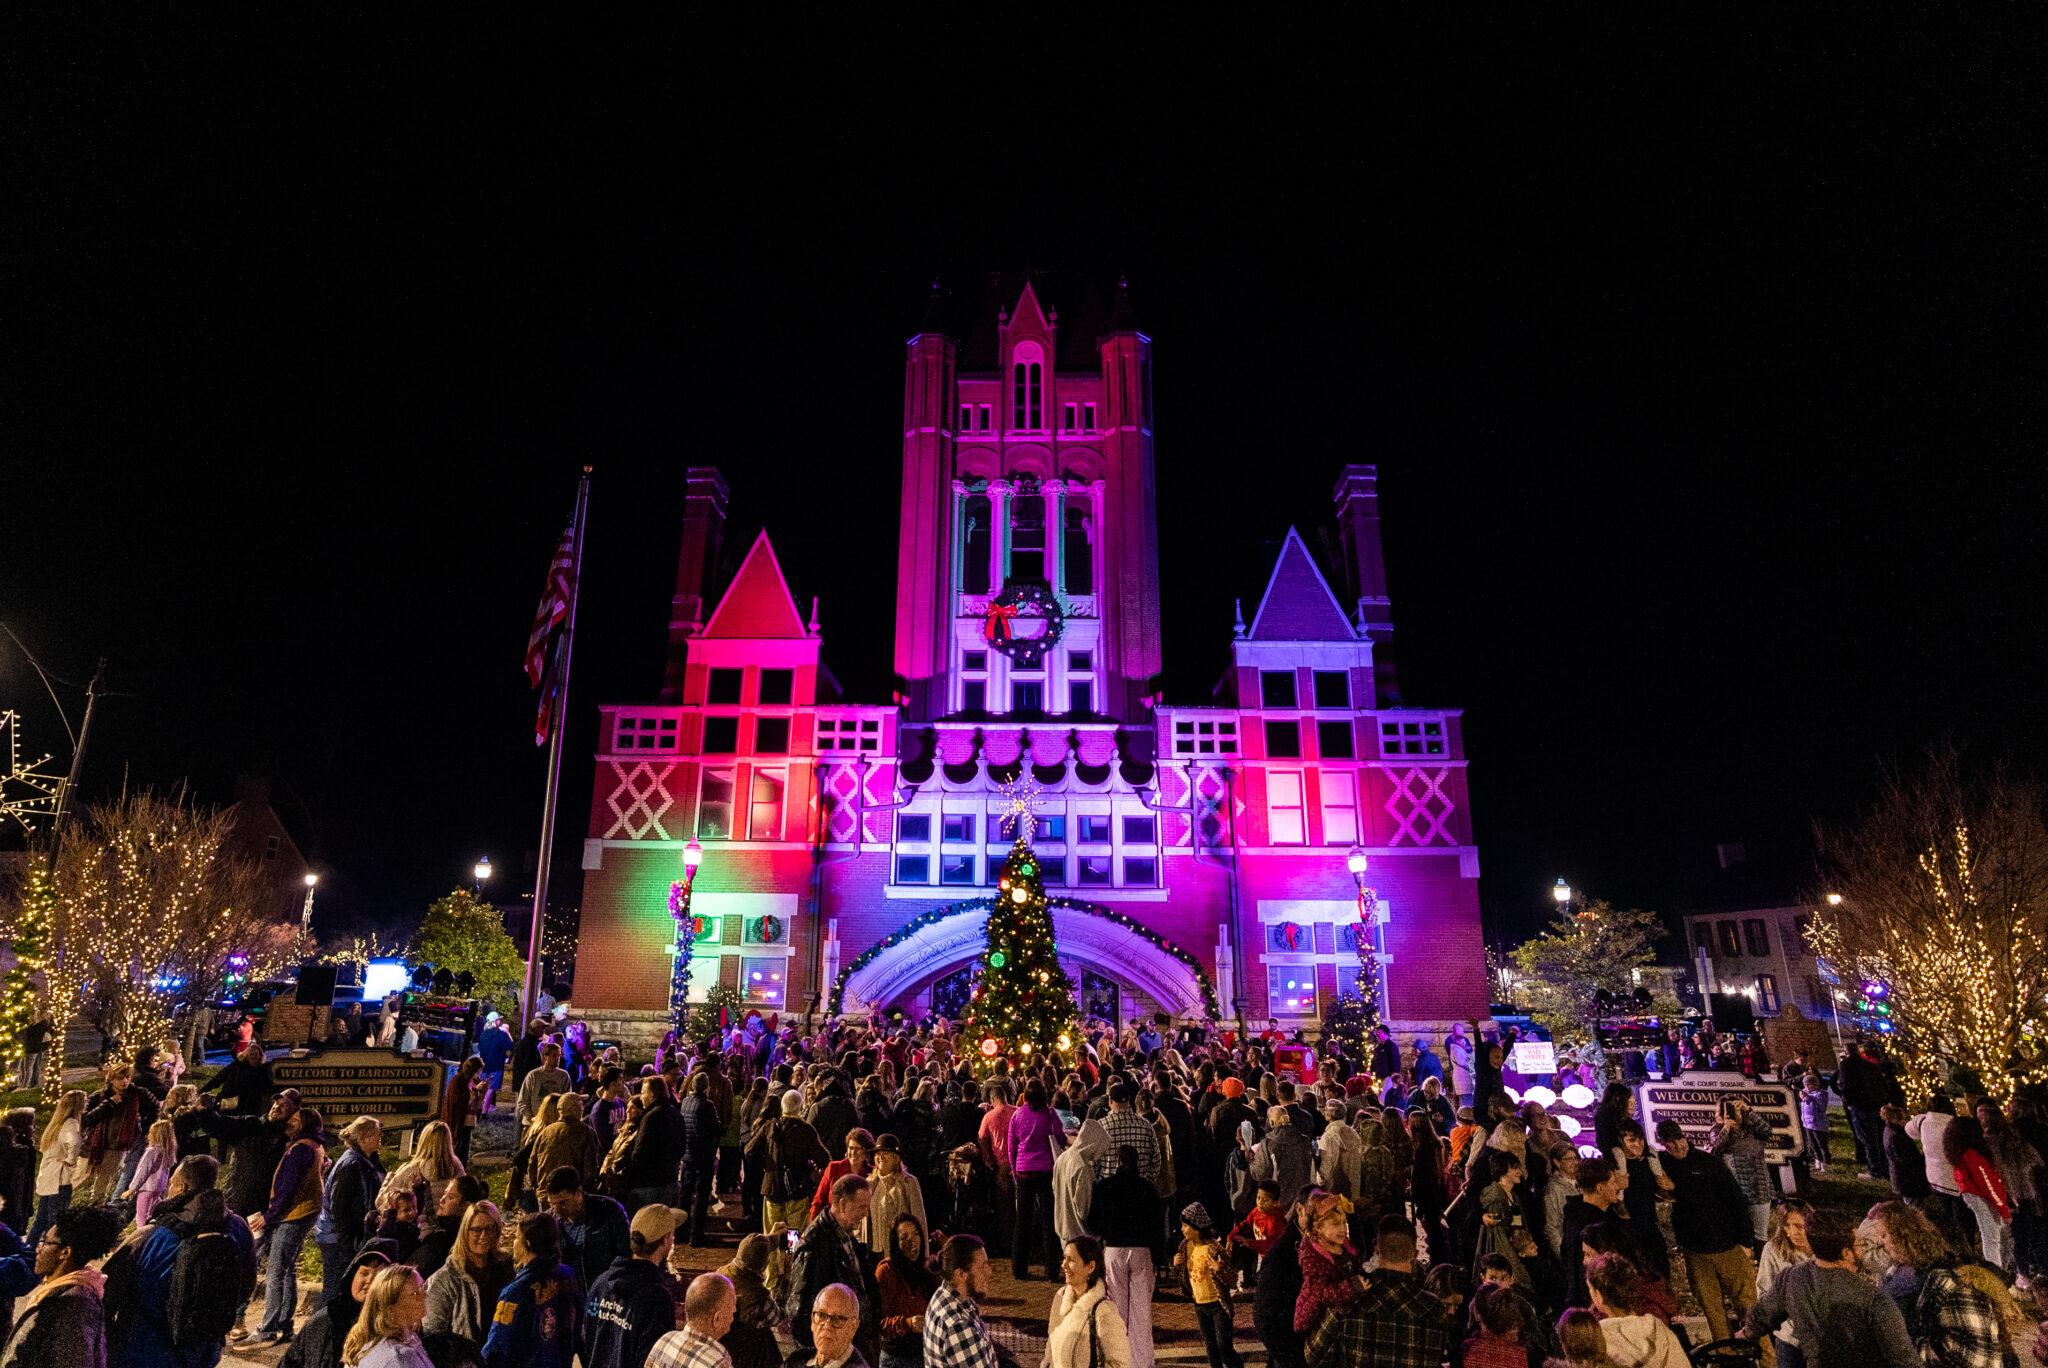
{"points": [[1399, 1209]]}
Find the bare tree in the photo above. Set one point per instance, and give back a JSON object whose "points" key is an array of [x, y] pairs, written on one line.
{"points": [[1940, 893]]}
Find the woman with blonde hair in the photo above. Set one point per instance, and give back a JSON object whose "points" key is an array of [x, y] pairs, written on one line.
{"points": [[58, 1170], [464, 1290], [433, 1166], [153, 1171], [387, 1333], [1581, 1343], [348, 1200]]}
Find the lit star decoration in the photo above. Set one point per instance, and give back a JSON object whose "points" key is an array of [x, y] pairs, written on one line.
{"points": [[1019, 817], [27, 791], [1024, 1003]]}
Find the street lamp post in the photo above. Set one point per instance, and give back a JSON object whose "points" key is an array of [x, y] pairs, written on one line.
{"points": [[1835, 990], [306, 912], [482, 873], [1369, 918], [679, 987], [1561, 894]]}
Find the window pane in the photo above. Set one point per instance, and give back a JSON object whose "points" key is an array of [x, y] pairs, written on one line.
{"points": [[1759, 939], [974, 545], [1333, 689], [974, 660], [1291, 990], [1276, 688], [1052, 827], [721, 735], [766, 822], [1283, 740], [1340, 809], [1077, 554], [1092, 870], [714, 810], [1081, 696], [771, 735], [1094, 828], [777, 686], [914, 826], [724, 686], [1027, 696], [1139, 831], [1141, 871], [761, 981], [973, 696], [1333, 740], [956, 869], [1729, 944], [958, 826], [913, 869]]}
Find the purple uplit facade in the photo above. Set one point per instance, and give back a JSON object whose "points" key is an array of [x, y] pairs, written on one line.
{"points": [[1199, 851]]}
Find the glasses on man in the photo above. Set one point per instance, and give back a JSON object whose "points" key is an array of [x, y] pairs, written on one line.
{"points": [[830, 1318]]}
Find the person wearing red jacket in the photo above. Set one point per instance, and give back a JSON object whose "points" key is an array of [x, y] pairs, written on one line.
{"points": [[1963, 1145]]}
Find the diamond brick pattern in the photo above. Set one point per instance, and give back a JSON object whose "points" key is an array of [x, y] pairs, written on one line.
{"points": [[639, 801], [1419, 806]]}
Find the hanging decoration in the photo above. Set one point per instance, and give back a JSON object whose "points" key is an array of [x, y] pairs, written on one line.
{"points": [[28, 792], [1211, 1007], [679, 976], [1290, 935], [768, 931], [1023, 602]]}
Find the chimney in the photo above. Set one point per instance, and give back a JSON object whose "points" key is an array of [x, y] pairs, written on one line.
{"points": [[1365, 567], [704, 503]]}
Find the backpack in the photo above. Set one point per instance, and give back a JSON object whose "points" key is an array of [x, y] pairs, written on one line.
{"points": [[202, 1307]]}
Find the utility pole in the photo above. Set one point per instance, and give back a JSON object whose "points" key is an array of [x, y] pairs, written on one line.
{"points": [[92, 693]]}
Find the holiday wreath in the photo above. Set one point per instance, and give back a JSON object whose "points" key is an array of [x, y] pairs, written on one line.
{"points": [[1023, 600]]}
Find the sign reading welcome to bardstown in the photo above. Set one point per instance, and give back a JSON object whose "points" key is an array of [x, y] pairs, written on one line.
{"points": [[345, 1084]]}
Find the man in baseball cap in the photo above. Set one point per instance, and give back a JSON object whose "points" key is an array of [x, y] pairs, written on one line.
{"points": [[630, 1306]]}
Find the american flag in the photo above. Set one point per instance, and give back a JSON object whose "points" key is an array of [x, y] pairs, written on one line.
{"points": [[541, 654]]}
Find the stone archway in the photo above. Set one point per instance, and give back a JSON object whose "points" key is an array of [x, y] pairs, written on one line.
{"points": [[1087, 934]]}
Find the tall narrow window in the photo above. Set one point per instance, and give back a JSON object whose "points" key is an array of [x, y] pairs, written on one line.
{"points": [[714, 807], [1027, 390], [974, 533], [1027, 538], [765, 820], [1077, 555], [1340, 808]]}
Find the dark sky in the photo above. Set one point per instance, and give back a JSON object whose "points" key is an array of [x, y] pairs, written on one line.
{"points": [[1702, 369]]}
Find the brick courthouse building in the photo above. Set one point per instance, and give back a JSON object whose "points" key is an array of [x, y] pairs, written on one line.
{"points": [[1200, 852]]}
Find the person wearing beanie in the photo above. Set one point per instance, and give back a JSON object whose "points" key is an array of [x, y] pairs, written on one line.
{"points": [[318, 1343], [1204, 1265], [630, 1306]]}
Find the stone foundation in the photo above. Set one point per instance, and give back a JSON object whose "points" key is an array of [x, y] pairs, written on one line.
{"points": [[636, 1032]]}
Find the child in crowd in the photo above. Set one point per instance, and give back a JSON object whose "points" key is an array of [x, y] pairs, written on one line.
{"points": [[400, 1224], [1253, 1238], [1813, 1119], [1580, 1342], [970, 1192], [1202, 1260], [1498, 1343], [153, 1171]]}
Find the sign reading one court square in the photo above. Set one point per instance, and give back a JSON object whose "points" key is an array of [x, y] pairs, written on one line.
{"points": [[345, 1084]]}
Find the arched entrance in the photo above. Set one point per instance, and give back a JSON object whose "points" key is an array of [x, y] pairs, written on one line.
{"points": [[1090, 938]]}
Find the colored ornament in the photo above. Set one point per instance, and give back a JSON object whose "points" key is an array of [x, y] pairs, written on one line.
{"points": [[997, 960], [990, 1046], [1023, 601]]}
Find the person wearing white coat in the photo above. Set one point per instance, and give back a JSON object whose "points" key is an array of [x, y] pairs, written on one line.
{"points": [[1084, 1328], [1340, 1156]]}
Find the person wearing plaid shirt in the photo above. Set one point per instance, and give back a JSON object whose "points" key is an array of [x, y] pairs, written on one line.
{"points": [[1839, 1317], [1126, 1127], [707, 1309], [954, 1333], [1396, 1324], [1959, 1326]]}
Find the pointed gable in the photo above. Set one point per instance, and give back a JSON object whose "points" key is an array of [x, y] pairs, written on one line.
{"points": [[757, 604], [1029, 317], [1298, 604]]}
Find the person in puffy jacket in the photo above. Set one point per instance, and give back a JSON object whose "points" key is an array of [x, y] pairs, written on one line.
{"points": [[348, 1201], [138, 1294]]}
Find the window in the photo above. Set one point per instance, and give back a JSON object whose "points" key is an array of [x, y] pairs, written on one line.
{"points": [[714, 807], [956, 869], [764, 822], [1758, 938], [1027, 390], [1411, 738], [1088, 417], [761, 981], [974, 660], [1067, 415], [1291, 990], [1333, 689], [1052, 828], [1283, 740], [913, 869], [721, 735], [847, 733], [1340, 808], [1140, 871], [1081, 696], [1027, 538], [1703, 936], [644, 733], [1052, 870], [975, 516], [270, 847], [1276, 688], [957, 826], [1027, 695], [984, 417], [1284, 820], [913, 826], [1080, 660], [777, 686], [1140, 831], [973, 696], [1333, 740], [1093, 829], [1092, 870], [724, 686], [1205, 738], [1077, 556], [966, 418], [1767, 992], [1730, 946], [771, 735]]}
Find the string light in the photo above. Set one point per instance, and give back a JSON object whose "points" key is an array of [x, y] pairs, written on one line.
{"points": [[28, 792]]}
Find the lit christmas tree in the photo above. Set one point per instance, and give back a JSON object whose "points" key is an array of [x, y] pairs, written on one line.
{"points": [[1023, 1007], [20, 996]]}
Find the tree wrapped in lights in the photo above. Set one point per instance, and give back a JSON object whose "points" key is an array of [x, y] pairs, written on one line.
{"points": [[1594, 951], [1352, 1016], [1023, 1007], [1940, 895], [22, 991], [464, 934]]}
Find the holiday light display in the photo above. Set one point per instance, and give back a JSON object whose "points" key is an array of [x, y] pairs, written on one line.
{"points": [[28, 792], [21, 996], [1024, 1004], [679, 976]]}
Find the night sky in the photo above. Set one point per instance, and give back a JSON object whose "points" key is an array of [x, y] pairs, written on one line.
{"points": [[1703, 373]]}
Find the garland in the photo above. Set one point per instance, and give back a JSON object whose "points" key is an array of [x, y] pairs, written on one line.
{"points": [[679, 979], [1210, 1003]]}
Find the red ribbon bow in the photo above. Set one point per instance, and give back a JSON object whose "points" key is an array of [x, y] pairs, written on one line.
{"points": [[1000, 616]]}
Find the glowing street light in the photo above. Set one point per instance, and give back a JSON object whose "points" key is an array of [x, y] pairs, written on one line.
{"points": [[1561, 893], [693, 855], [1834, 900], [306, 912], [1356, 862]]}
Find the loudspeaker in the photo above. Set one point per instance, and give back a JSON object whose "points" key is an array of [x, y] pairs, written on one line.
{"points": [[316, 985]]}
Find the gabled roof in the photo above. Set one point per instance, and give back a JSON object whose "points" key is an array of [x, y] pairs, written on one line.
{"points": [[1298, 604], [1029, 315], [757, 603]]}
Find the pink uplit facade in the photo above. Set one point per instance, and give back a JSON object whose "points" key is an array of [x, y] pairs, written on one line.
{"points": [[1202, 848]]}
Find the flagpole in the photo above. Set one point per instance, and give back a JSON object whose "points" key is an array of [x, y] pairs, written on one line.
{"points": [[560, 721]]}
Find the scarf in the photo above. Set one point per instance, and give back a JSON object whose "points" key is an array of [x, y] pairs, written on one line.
{"points": [[91, 1279]]}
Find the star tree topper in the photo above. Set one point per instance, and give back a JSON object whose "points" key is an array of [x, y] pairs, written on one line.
{"points": [[1022, 793]]}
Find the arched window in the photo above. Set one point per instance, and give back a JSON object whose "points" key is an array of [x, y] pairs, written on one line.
{"points": [[974, 532], [1077, 552], [1027, 390]]}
